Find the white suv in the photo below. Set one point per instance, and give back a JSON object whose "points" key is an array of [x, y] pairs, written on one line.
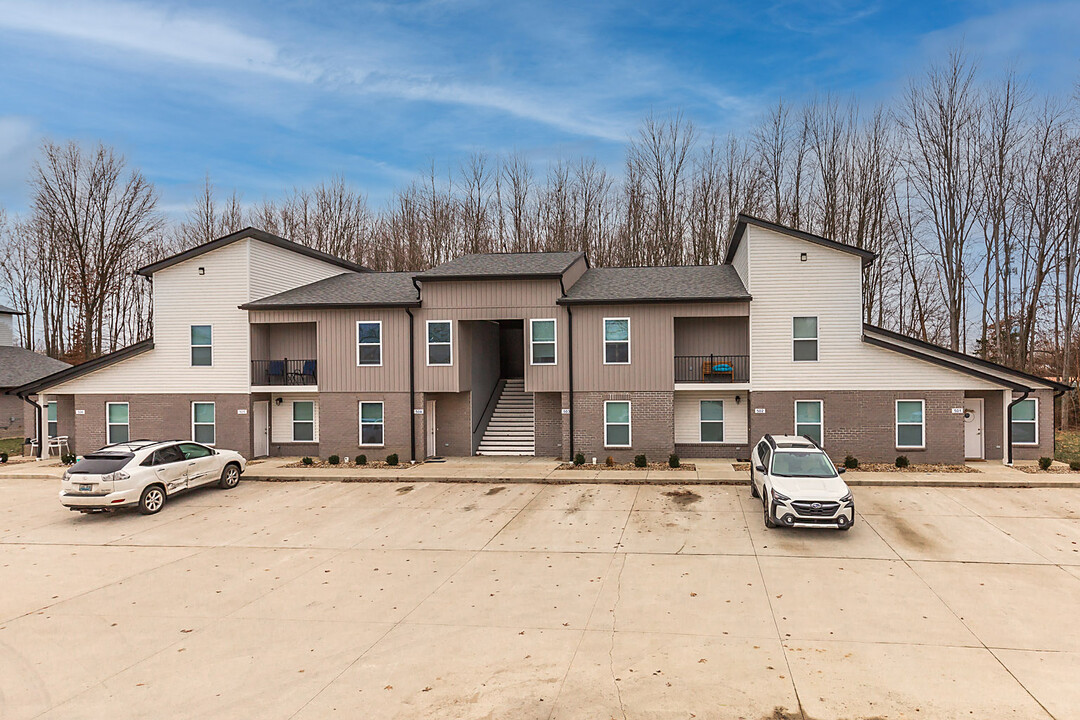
{"points": [[144, 474], [798, 484]]}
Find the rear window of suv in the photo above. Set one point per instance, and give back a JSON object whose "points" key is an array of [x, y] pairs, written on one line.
{"points": [[100, 464], [792, 463]]}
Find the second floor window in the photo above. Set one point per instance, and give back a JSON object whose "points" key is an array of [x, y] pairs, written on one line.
{"points": [[202, 345], [369, 343], [542, 336], [616, 341], [804, 333], [439, 343]]}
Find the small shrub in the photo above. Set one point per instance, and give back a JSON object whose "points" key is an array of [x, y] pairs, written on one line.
{"points": [[334, 460], [1075, 465], [610, 462], [641, 461], [392, 459], [306, 461], [69, 459], [579, 459], [851, 462], [902, 462], [3, 458], [673, 460], [361, 459], [1045, 463]]}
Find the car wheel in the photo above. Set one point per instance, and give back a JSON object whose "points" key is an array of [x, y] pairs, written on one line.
{"points": [[769, 522], [230, 477], [152, 499]]}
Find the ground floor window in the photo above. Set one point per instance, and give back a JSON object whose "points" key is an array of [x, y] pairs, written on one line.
{"points": [[371, 423], [617, 423], [910, 424], [809, 420], [1025, 422], [303, 421], [54, 427], [117, 428], [202, 422], [711, 417]]}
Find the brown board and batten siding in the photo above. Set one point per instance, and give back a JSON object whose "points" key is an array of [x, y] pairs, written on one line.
{"points": [[652, 343], [712, 336]]}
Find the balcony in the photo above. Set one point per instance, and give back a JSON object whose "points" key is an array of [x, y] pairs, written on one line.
{"points": [[712, 369], [284, 373]]}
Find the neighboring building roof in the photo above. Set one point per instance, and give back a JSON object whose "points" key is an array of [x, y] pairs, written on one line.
{"points": [[19, 366], [74, 371], [389, 289], [969, 364], [696, 283], [256, 234], [744, 220], [487, 266], [5, 310]]}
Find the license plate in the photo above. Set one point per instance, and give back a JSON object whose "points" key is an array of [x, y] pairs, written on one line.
{"points": [[86, 488]]}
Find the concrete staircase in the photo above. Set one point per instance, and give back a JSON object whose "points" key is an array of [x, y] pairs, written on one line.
{"points": [[510, 430]]}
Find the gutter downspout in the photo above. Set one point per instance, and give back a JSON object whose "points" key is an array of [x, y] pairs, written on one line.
{"points": [[412, 386], [37, 423], [570, 367], [1015, 402]]}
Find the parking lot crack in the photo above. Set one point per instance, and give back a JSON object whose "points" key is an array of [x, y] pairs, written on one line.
{"points": [[611, 646]]}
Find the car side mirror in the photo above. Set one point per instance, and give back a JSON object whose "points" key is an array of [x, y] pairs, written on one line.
{"points": [[841, 471], [760, 468]]}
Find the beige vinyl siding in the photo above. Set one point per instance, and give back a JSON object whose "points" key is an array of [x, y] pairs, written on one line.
{"points": [[281, 417], [275, 269], [688, 418], [741, 263], [829, 286], [7, 330], [652, 344], [574, 272]]}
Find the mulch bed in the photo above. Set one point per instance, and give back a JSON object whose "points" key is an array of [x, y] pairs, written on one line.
{"points": [[626, 466], [740, 467], [1054, 470], [890, 467], [373, 465]]}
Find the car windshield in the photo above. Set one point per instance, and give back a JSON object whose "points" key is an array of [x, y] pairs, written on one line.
{"points": [[793, 463], [100, 464]]}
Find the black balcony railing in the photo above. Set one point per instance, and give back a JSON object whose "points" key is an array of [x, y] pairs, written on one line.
{"points": [[712, 368], [284, 372]]}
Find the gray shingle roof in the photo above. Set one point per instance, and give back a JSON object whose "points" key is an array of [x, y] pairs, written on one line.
{"points": [[19, 366], [346, 290], [496, 265], [699, 283], [9, 311]]}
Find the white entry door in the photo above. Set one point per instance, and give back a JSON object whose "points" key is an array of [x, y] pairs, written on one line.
{"points": [[260, 426], [429, 428], [973, 429]]}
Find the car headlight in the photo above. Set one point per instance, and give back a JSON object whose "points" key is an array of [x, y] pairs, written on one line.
{"points": [[67, 476], [780, 497], [846, 498]]}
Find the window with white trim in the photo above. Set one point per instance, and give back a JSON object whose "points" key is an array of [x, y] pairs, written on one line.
{"points": [[202, 345], [711, 417], [202, 422], [369, 342], [371, 424], [440, 342], [910, 424], [303, 421], [804, 339], [116, 421], [616, 341], [809, 420], [54, 426], [1025, 422], [542, 341], [617, 423]]}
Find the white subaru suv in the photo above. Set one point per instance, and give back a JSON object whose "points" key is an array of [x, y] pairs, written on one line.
{"points": [[144, 474], [798, 484]]}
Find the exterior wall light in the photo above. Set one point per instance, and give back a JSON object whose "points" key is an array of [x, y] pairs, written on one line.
{"points": [[802, 258]]}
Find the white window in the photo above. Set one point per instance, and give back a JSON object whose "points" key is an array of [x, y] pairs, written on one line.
{"points": [[1025, 422], [303, 421], [202, 345], [616, 341], [617, 423], [910, 430], [369, 342], [542, 339], [202, 422], [804, 333], [809, 420], [440, 342], [371, 423], [711, 416], [116, 422], [54, 427]]}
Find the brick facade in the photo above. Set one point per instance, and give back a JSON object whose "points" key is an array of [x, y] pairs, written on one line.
{"points": [[652, 418], [689, 451], [339, 425], [453, 423], [1046, 429], [11, 416], [548, 422]]}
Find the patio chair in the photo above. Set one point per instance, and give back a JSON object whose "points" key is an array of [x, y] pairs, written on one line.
{"points": [[275, 370]]}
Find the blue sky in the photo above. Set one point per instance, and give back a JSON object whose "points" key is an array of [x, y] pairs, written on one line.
{"points": [[265, 96]]}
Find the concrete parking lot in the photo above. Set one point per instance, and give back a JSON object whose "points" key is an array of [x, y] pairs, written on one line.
{"points": [[427, 600]]}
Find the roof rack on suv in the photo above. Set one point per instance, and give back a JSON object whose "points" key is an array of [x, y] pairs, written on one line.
{"points": [[813, 442], [769, 439]]}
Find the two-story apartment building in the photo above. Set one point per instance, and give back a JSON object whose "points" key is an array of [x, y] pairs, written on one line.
{"points": [[273, 349]]}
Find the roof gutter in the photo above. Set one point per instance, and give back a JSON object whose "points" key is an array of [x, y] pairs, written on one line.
{"points": [[637, 301]]}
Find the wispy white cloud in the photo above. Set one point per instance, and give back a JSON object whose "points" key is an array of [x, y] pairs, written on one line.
{"points": [[18, 144]]}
